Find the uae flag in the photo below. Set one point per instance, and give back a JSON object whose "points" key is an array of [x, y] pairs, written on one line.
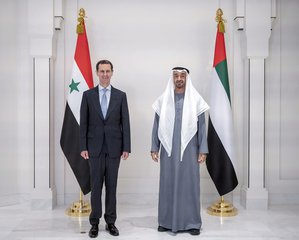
{"points": [[220, 127], [81, 81]]}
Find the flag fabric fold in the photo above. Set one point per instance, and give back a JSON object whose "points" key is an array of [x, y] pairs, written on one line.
{"points": [[69, 140], [220, 127]]}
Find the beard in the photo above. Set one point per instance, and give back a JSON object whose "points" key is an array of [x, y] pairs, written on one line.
{"points": [[179, 84]]}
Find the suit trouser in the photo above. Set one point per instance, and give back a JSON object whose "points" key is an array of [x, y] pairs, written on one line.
{"points": [[103, 169]]}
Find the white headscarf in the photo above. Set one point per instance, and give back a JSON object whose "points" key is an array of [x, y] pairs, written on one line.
{"points": [[164, 106]]}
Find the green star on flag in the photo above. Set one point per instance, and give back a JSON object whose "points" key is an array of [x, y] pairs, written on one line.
{"points": [[74, 86]]}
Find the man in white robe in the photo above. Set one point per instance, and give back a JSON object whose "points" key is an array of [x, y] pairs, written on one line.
{"points": [[179, 133]]}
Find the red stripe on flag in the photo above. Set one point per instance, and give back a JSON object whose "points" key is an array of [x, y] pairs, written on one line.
{"points": [[82, 58], [220, 53]]}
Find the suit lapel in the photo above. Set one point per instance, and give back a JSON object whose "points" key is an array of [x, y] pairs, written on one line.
{"points": [[112, 102], [96, 101]]}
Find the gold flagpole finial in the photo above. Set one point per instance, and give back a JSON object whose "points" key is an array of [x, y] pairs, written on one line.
{"points": [[220, 20], [80, 19]]}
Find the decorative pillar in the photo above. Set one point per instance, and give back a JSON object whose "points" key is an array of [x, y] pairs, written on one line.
{"points": [[41, 29], [254, 17]]}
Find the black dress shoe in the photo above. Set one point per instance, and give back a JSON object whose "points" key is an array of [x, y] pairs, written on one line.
{"points": [[194, 231], [93, 232], [112, 229], [163, 229]]}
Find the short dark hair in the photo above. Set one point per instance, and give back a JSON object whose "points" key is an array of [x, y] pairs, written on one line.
{"points": [[104, 62]]}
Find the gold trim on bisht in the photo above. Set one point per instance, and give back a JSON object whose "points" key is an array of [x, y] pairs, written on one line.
{"points": [[80, 19], [220, 20]]}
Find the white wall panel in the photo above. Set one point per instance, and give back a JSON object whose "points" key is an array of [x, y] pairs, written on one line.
{"points": [[16, 105], [8, 106], [289, 35], [282, 86]]}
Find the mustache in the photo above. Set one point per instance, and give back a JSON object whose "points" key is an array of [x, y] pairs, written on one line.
{"points": [[179, 81]]}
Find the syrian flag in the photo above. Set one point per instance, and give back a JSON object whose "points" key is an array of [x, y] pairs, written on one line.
{"points": [[69, 141], [220, 127]]}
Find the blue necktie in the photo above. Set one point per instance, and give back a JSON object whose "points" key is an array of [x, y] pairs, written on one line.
{"points": [[104, 102]]}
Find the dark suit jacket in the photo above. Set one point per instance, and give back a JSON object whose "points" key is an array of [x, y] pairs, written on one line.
{"points": [[115, 127]]}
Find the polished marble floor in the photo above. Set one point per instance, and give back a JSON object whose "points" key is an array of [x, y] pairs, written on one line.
{"points": [[139, 221]]}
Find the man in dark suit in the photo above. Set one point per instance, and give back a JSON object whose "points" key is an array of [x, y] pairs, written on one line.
{"points": [[104, 139]]}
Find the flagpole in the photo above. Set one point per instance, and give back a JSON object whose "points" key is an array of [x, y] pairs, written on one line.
{"points": [[221, 207], [80, 208]]}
